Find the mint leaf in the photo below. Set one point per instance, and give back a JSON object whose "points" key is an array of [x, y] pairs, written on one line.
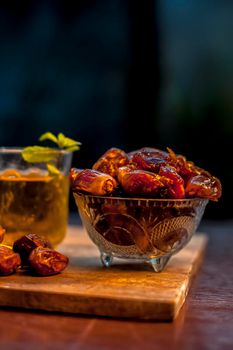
{"points": [[37, 154], [66, 142], [72, 148], [48, 136], [61, 141], [52, 169]]}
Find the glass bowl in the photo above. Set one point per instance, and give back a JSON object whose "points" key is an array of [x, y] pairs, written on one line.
{"points": [[149, 230]]}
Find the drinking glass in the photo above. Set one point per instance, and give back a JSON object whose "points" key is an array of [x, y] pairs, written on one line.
{"points": [[31, 199]]}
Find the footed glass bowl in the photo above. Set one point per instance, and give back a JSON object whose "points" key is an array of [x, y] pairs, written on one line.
{"points": [[150, 230]]}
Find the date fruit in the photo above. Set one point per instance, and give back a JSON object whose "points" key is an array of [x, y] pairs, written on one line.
{"points": [[176, 188], [25, 245], [47, 262], [149, 159], [146, 172], [73, 174], [110, 161], [9, 261], [204, 187], [136, 182], [94, 182]]}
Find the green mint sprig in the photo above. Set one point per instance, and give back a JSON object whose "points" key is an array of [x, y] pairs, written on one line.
{"points": [[62, 141], [38, 154]]}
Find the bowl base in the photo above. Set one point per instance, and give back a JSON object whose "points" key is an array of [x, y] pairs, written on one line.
{"points": [[158, 264], [106, 259]]}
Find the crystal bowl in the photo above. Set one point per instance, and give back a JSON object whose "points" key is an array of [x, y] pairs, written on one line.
{"points": [[150, 230]]}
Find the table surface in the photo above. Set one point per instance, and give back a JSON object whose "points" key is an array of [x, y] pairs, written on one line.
{"points": [[205, 321]]}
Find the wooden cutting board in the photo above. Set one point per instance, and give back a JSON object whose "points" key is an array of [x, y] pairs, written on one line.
{"points": [[123, 290]]}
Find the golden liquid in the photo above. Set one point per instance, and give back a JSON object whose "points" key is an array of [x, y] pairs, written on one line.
{"points": [[31, 202]]}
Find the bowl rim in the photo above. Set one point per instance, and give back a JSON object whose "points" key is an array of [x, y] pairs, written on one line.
{"points": [[86, 195], [18, 150]]}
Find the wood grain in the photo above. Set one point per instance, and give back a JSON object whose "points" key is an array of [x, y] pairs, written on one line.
{"points": [[204, 322], [124, 290]]}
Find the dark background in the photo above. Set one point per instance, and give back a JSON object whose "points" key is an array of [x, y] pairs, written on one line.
{"points": [[122, 73]]}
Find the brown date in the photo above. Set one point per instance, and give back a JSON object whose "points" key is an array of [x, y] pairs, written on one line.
{"points": [[123, 171], [176, 188], [2, 233], [27, 243], [47, 262], [9, 261], [185, 168], [94, 182], [150, 159], [140, 182], [110, 161], [204, 187], [149, 152], [73, 174], [146, 172]]}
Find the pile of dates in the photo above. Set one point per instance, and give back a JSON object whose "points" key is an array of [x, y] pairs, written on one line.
{"points": [[147, 172], [32, 252]]}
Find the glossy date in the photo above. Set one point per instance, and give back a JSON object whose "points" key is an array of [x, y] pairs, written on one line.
{"points": [[32, 252], [9, 261], [25, 245], [47, 262], [204, 187], [110, 161], [147, 172], [94, 182], [138, 182]]}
